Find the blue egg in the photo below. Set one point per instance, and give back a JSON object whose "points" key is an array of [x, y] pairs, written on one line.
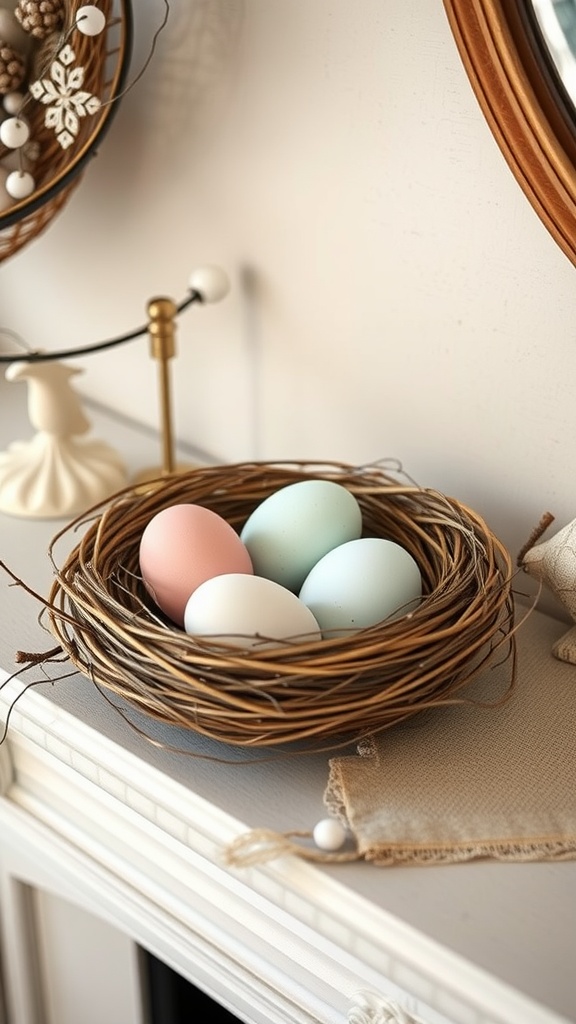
{"points": [[296, 526], [360, 584]]}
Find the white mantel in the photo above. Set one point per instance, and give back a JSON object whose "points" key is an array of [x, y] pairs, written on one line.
{"points": [[136, 835]]}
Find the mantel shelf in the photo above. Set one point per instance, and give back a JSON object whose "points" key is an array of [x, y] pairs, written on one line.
{"points": [[136, 833]]}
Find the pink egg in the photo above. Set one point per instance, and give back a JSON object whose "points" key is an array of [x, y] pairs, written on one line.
{"points": [[183, 546]]}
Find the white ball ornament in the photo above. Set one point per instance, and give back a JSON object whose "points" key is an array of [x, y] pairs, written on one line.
{"points": [[211, 283], [20, 184], [90, 20], [329, 835], [14, 132], [12, 102]]}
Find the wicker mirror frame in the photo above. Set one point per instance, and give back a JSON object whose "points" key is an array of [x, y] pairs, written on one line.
{"points": [[523, 105]]}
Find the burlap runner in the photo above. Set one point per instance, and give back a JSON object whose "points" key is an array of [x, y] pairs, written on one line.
{"points": [[464, 782]]}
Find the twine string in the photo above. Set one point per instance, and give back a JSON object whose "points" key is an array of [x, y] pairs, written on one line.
{"points": [[260, 845], [148, 59]]}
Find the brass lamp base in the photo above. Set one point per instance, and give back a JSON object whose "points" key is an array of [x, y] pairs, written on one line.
{"points": [[162, 330], [209, 284]]}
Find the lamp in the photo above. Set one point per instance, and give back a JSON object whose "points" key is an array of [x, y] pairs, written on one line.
{"points": [[210, 284]]}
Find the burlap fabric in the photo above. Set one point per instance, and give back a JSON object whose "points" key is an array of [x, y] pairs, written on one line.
{"points": [[472, 781]]}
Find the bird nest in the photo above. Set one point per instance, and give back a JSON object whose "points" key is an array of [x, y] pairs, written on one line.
{"points": [[322, 693], [59, 91]]}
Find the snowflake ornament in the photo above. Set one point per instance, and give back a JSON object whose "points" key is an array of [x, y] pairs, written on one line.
{"points": [[64, 97]]}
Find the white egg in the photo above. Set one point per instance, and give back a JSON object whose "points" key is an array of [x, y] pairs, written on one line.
{"points": [[361, 583], [248, 611], [294, 527]]}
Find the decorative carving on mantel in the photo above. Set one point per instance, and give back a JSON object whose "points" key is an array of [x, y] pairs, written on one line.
{"points": [[372, 1008], [6, 774]]}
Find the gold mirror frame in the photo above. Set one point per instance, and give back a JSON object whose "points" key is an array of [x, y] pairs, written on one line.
{"points": [[523, 107]]}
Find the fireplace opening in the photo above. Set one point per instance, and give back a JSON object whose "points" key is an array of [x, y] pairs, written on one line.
{"points": [[171, 999]]}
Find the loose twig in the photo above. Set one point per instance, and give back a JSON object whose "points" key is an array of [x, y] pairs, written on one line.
{"points": [[534, 537]]}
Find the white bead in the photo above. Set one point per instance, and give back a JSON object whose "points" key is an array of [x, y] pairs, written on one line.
{"points": [[20, 184], [329, 834], [14, 132], [12, 102], [211, 283], [90, 20]]}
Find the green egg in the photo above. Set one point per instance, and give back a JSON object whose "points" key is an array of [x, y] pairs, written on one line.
{"points": [[296, 526]]}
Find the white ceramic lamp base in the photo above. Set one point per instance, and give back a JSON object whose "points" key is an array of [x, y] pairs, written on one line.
{"points": [[52, 477], [56, 474]]}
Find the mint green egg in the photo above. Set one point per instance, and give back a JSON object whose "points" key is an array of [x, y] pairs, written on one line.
{"points": [[296, 526]]}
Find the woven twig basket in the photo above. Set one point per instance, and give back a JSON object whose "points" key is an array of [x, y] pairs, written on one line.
{"points": [[323, 693], [57, 171]]}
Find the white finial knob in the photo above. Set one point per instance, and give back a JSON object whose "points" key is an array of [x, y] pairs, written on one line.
{"points": [[12, 101], [211, 283]]}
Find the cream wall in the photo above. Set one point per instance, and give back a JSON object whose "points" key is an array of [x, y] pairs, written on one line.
{"points": [[393, 292]]}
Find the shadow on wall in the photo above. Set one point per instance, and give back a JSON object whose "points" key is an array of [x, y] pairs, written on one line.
{"points": [[169, 109], [191, 64], [195, 61]]}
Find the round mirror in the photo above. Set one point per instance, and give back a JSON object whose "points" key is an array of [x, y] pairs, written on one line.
{"points": [[512, 58]]}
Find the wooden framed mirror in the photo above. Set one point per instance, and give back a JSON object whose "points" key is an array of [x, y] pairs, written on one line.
{"points": [[525, 104]]}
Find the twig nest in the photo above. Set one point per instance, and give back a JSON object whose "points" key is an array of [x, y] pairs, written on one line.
{"points": [[320, 693], [41, 17], [12, 68]]}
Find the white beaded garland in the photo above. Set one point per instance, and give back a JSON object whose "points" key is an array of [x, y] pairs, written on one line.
{"points": [[14, 132], [90, 20], [211, 283], [20, 184], [329, 834]]}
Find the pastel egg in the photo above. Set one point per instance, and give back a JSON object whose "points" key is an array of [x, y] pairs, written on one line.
{"points": [[180, 548], [294, 527], [361, 583], [248, 611]]}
